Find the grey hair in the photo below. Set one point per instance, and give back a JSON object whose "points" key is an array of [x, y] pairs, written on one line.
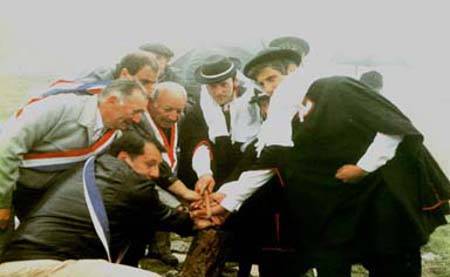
{"points": [[169, 86], [122, 89]]}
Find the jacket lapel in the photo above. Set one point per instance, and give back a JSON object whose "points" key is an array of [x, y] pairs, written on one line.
{"points": [[88, 117]]}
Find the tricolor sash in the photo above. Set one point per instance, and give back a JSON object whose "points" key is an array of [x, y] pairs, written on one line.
{"points": [[60, 160], [170, 157], [95, 205], [65, 86]]}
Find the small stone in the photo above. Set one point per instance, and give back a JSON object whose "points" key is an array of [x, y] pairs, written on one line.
{"points": [[179, 246], [428, 256], [172, 273]]}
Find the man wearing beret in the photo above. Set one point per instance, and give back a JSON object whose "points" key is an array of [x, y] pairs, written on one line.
{"points": [[360, 186]]}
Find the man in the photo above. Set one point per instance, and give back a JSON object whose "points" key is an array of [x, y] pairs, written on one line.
{"points": [[149, 65], [254, 230], [373, 79], [218, 125], [164, 110], [59, 238], [359, 184], [56, 132], [297, 44], [163, 55], [140, 66]]}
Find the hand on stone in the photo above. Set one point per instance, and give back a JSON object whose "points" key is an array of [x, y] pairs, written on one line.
{"points": [[209, 208]]}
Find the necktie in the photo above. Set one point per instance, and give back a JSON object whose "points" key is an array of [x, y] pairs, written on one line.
{"points": [[226, 112]]}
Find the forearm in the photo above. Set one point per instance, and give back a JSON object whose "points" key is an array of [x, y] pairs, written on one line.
{"points": [[201, 161], [179, 189], [380, 151], [248, 183]]}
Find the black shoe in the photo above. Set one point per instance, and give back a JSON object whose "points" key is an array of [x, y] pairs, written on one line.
{"points": [[169, 259]]}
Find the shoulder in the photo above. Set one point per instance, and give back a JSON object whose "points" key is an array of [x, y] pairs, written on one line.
{"points": [[62, 102], [193, 112]]}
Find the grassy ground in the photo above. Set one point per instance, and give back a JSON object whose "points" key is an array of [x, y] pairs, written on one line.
{"points": [[14, 91]]}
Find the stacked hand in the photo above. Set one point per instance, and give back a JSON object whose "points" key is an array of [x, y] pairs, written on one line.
{"points": [[209, 208], [205, 182]]}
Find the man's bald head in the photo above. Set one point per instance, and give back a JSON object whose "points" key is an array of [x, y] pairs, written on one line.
{"points": [[167, 103]]}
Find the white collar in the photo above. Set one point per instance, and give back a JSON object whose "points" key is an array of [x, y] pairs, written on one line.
{"points": [[98, 121]]}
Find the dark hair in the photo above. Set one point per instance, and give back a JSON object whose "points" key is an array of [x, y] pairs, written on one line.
{"points": [[134, 62], [122, 89], [132, 143], [280, 65]]}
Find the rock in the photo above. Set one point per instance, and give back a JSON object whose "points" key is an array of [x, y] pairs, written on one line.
{"points": [[179, 246], [172, 273], [428, 256]]}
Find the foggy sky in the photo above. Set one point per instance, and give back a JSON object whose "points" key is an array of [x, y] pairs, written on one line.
{"points": [[63, 38]]}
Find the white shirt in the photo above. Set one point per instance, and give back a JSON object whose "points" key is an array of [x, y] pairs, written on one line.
{"points": [[381, 150], [99, 129]]}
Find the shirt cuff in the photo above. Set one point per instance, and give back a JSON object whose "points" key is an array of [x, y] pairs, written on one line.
{"points": [[201, 161], [378, 153]]}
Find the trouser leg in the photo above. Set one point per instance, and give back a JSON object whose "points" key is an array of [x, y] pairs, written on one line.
{"points": [[408, 263], [160, 248]]}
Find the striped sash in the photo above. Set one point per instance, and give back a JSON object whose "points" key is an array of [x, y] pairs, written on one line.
{"points": [[170, 157], [67, 86], [60, 160], [95, 205]]}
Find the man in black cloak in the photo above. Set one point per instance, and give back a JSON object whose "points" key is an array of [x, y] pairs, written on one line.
{"points": [[360, 186]]}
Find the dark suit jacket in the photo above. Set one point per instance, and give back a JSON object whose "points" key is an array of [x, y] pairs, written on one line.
{"points": [[60, 227]]}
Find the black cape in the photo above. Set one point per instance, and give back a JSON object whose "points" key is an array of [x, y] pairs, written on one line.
{"points": [[392, 209]]}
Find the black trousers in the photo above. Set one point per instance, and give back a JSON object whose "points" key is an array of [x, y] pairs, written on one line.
{"points": [[408, 263]]}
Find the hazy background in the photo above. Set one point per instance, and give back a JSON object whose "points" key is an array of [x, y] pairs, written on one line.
{"points": [[44, 40]]}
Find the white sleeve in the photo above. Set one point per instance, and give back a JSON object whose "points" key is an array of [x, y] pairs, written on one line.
{"points": [[381, 150], [237, 192], [201, 161]]}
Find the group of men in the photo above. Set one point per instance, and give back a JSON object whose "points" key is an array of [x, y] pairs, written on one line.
{"points": [[96, 165]]}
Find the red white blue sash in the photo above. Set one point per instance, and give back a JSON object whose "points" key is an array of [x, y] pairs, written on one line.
{"points": [[59, 160], [96, 207], [66, 86], [170, 157]]}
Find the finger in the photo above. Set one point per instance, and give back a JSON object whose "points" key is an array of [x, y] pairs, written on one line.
{"points": [[197, 214], [218, 220], [218, 210], [199, 186], [202, 189], [196, 205], [207, 204]]}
